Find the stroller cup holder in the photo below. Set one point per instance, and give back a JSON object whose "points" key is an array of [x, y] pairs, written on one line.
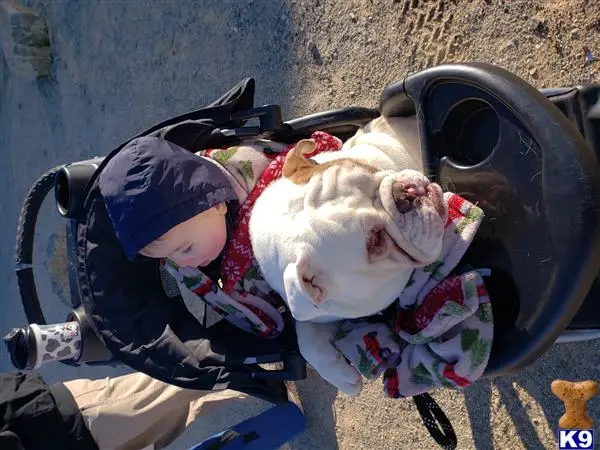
{"points": [[93, 348]]}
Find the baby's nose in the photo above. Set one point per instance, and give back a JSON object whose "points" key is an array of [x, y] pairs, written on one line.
{"points": [[404, 195]]}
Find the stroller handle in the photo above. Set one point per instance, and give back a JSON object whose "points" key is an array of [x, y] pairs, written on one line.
{"points": [[24, 246]]}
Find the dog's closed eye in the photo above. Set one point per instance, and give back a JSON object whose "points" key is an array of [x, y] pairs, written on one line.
{"points": [[380, 245], [377, 245]]}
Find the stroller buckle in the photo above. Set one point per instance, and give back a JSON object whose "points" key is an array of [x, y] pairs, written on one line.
{"points": [[269, 118]]}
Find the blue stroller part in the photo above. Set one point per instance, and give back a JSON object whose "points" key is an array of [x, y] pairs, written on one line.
{"points": [[268, 430], [528, 158]]}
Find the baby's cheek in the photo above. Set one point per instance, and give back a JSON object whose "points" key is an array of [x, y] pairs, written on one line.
{"points": [[220, 240]]}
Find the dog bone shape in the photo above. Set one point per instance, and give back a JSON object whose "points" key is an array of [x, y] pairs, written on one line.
{"points": [[575, 395]]}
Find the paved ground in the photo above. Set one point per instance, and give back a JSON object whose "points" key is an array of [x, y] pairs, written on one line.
{"points": [[120, 66]]}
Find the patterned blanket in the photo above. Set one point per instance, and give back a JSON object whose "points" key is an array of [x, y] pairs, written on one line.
{"points": [[441, 329], [440, 333], [243, 297]]}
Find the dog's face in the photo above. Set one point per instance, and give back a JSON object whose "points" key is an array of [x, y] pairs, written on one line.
{"points": [[359, 233]]}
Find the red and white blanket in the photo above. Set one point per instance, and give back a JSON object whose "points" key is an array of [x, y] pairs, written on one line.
{"points": [[441, 332], [244, 298]]}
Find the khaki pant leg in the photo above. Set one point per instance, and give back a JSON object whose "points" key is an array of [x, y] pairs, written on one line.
{"points": [[135, 411]]}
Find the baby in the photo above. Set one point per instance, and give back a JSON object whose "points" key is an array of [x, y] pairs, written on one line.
{"points": [[167, 202]]}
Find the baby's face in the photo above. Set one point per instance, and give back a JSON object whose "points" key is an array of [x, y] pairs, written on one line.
{"points": [[195, 242]]}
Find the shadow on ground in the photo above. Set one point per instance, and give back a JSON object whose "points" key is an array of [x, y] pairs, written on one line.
{"points": [[317, 398], [519, 396]]}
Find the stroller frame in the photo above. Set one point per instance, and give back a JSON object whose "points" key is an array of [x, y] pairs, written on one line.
{"points": [[563, 124]]}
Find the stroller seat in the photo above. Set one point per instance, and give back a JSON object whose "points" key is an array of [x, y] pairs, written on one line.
{"points": [[526, 157], [485, 134]]}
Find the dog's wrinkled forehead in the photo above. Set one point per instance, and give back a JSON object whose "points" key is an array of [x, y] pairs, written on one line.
{"points": [[344, 182], [359, 231]]}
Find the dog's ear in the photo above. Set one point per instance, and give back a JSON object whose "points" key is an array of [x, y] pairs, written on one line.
{"points": [[297, 167]]}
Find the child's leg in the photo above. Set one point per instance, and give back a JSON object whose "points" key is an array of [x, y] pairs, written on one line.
{"points": [[135, 411]]}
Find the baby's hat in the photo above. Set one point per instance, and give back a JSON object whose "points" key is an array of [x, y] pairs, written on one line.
{"points": [[151, 185]]}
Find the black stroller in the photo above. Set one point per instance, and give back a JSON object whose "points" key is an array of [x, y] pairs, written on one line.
{"points": [[527, 157]]}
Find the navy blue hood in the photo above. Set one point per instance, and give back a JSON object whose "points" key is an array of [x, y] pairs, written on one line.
{"points": [[151, 185]]}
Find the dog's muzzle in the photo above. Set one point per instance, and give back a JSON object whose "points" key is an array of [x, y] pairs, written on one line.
{"points": [[402, 193]]}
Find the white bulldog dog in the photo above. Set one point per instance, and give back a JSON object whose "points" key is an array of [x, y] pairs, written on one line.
{"points": [[339, 235]]}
